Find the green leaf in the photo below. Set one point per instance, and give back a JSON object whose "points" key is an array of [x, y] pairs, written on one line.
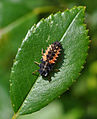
{"points": [[12, 12], [10, 39], [30, 93], [5, 105], [32, 4]]}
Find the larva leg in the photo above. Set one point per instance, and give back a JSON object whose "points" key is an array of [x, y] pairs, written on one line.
{"points": [[36, 63], [34, 72], [56, 70]]}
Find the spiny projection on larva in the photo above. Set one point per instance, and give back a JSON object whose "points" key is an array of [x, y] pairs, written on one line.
{"points": [[49, 58]]}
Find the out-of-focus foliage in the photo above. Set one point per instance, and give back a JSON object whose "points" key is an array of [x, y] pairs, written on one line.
{"points": [[80, 101], [5, 105], [10, 11]]}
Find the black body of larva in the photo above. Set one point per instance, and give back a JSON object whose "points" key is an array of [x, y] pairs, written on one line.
{"points": [[49, 58]]}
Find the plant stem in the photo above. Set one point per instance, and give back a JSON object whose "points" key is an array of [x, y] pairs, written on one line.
{"points": [[15, 116]]}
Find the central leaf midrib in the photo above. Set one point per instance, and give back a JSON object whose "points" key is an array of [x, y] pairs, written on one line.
{"points": [[69, 26]]}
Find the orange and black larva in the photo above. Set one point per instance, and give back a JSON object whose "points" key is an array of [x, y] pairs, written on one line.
{"points": [[49, 58]]}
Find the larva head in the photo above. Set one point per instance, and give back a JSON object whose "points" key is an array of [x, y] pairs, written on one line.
{"points": [[57, 44]]}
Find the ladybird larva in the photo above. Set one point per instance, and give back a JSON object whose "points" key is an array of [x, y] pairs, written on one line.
{"points": [[49, 58]]}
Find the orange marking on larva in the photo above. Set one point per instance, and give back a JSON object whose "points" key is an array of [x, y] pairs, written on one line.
{"points": [[51, 61], [46, 53], [55, 57], [44, 57]]}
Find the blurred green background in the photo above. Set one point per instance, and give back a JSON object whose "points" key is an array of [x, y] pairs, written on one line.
{"points": [[16, 18]]}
